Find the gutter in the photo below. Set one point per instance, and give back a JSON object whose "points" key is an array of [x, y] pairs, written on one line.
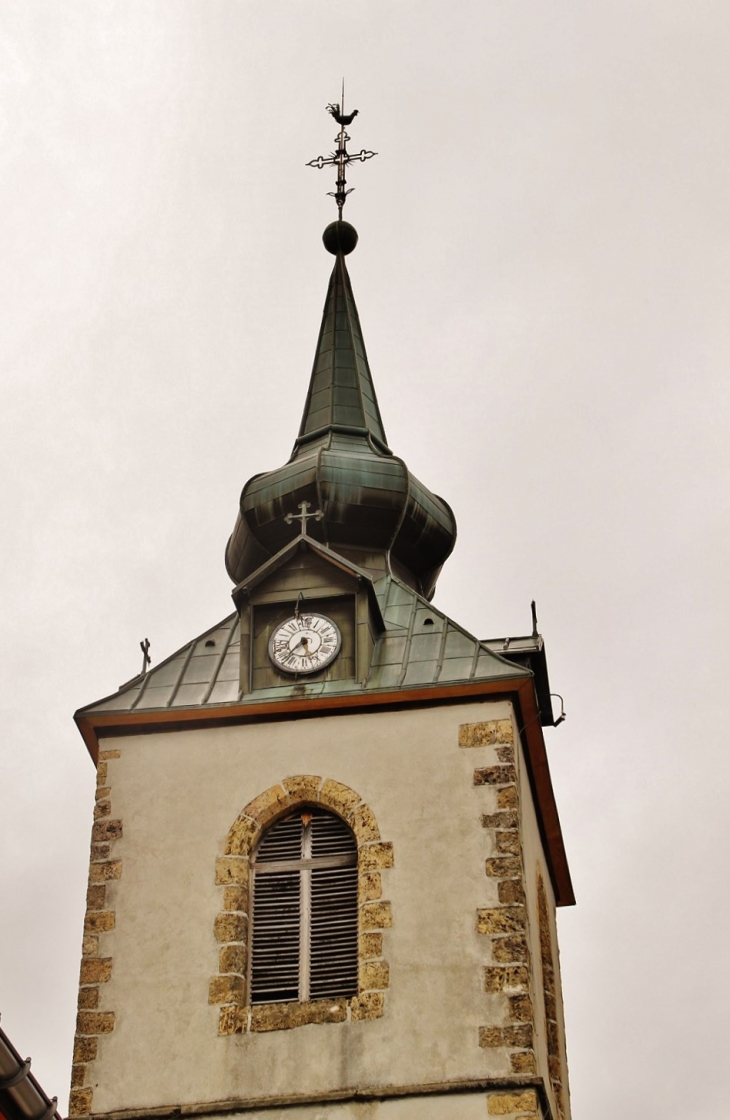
{"points": [[21, 1096]]}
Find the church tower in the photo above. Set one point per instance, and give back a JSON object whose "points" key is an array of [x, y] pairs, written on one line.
{"points": [[326, 854]]}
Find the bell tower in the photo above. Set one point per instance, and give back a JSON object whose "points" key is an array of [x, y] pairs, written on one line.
{"points": [[326, 855]]}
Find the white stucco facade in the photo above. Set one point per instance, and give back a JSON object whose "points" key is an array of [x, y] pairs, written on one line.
{"points": [[177, 793]]}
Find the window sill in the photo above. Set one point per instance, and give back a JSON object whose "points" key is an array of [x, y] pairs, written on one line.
{"points": [[283, 1016]]}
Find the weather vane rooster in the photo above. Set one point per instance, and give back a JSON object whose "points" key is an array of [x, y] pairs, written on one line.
{"points": [[334, 109]]}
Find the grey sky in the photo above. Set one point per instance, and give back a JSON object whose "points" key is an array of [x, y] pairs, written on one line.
{"points": [[542, 279]]}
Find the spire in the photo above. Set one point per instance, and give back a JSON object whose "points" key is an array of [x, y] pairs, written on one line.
{"points": [[341, 396], [363, 497], [365, 502]]}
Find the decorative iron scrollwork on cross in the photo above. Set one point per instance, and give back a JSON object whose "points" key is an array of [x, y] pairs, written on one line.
{"points": [[341, 158]]}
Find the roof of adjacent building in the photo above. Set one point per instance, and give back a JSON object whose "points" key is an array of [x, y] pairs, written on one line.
{"points": [[21, 1096]]}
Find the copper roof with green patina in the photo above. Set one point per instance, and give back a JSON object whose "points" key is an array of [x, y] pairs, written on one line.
{"points": [[419, 648], [341, 395], [341, 465]]}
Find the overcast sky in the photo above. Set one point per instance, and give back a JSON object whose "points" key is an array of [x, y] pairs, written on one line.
{"points": [[542, 279]]}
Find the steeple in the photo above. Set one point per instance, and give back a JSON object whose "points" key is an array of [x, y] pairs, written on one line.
{"points": [[374, 511], [341, 394]]}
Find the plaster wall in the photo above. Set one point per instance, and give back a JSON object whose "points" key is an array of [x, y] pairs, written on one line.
{"points": [[177, 794]]}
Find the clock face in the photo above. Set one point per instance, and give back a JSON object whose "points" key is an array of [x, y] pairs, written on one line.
{"points": [[305, 643]]}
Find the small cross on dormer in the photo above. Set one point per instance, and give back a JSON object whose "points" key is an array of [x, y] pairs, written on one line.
{"points": [[304, 517]]}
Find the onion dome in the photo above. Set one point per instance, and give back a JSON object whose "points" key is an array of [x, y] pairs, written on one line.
{"points": [[341, 463]]}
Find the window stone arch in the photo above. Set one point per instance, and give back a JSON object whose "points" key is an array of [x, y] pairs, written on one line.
{"points": [[232, 874]]}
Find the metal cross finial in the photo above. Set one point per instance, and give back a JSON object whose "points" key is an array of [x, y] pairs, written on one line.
{"points": [[304, 517], [146, 659], [341, 158]]}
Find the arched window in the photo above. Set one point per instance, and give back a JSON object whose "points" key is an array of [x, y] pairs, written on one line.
{"points": [[304, 914]]}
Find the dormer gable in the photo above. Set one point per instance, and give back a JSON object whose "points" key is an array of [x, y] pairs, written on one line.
{"points": [[307, 579]]}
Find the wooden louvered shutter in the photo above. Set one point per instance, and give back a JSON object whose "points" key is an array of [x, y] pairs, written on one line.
{"points": [[304, 922]]}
